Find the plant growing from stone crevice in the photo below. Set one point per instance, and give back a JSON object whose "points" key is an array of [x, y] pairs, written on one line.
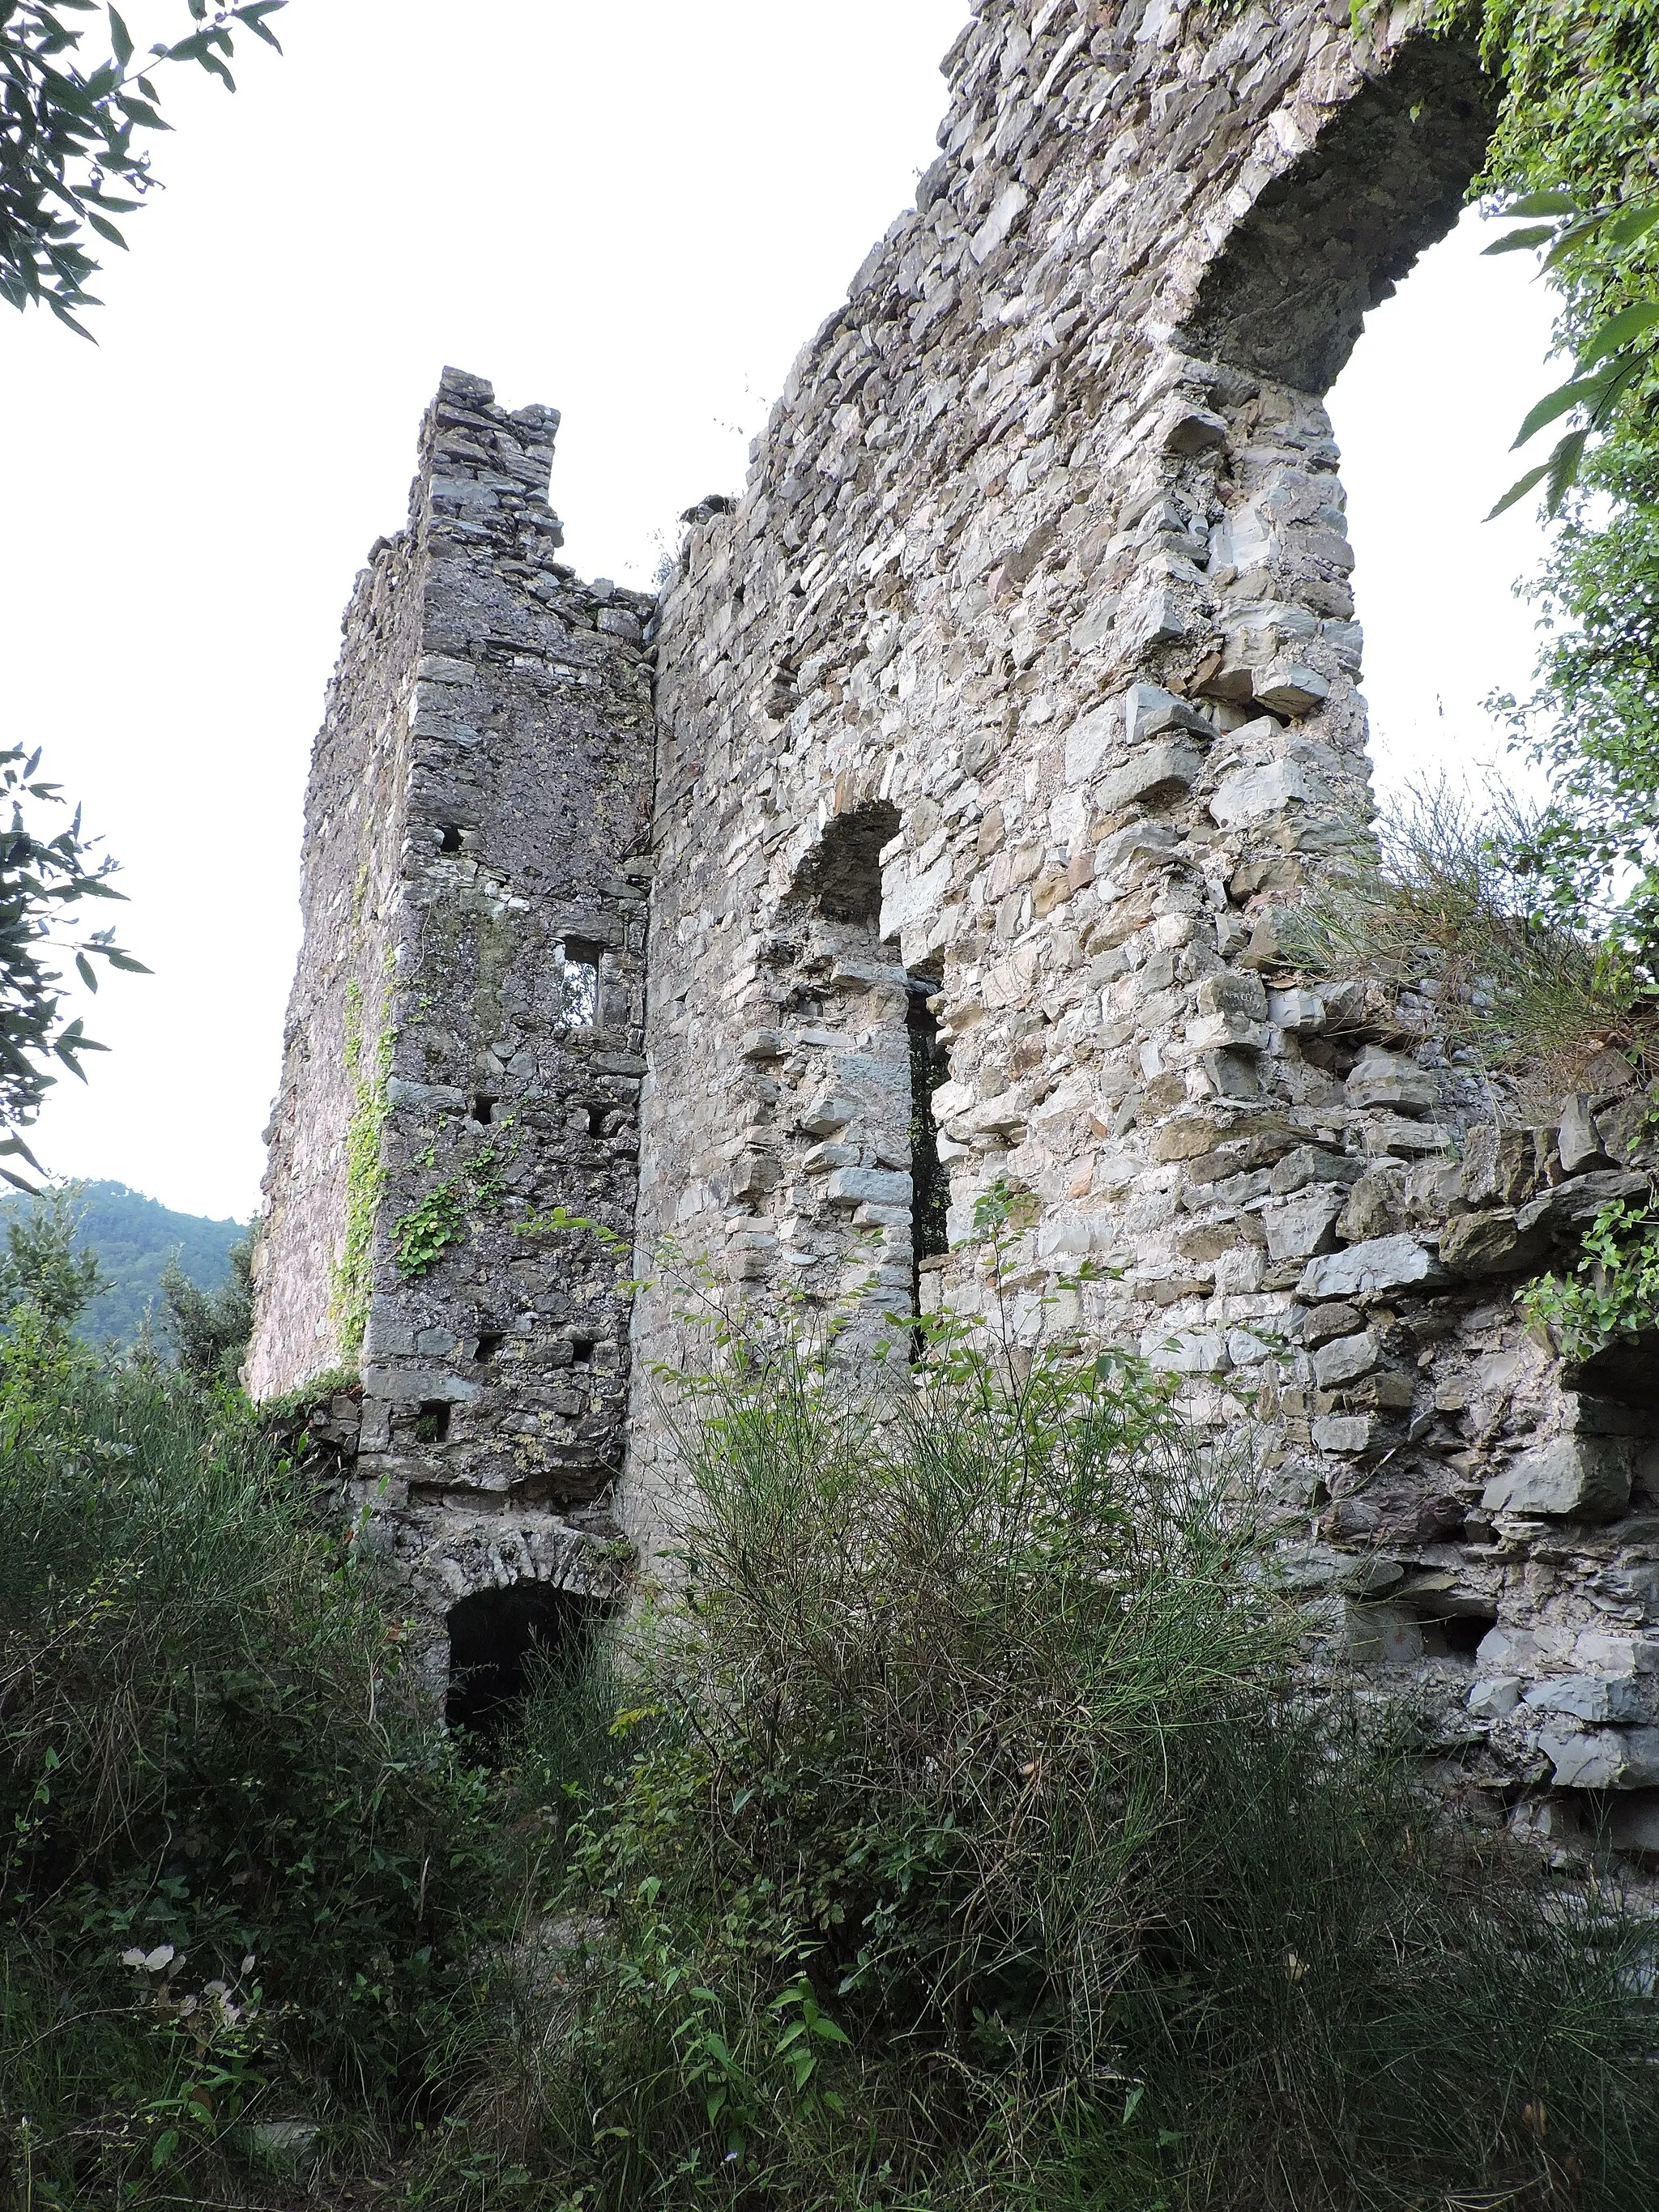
{"points": [[1612, 1294], [422, 1237]]}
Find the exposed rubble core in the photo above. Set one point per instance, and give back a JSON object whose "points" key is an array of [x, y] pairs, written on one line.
{"points": [[999, 724]]}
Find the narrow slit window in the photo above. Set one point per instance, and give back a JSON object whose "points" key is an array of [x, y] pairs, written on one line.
{"points": [[596, 1121], [580, 984]]}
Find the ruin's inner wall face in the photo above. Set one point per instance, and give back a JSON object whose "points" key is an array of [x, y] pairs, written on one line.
{"points": [[1042, 571], [463, 1048], [998, 725]]}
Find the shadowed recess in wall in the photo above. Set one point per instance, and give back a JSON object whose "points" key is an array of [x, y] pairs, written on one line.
{"points": [[493, 1637], [841, 875], [1330, 239]]}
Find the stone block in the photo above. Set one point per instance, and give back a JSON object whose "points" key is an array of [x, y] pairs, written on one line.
{"points": [[1313, 1164], [1562, 1215], [1578, 1140], [1227, 1032], [1497, 1166], [1387, 1078], [1149, 710], [1251, 794], [1152, 773], [1602, 1759], [1489, 1243], [763, 1044], [1371, 1269], [1291, 687], [1299, 1013], [1588, 1697], [1570, 1478], [1495, 1698], [1091, 739], [867, 1186], [1345, 1434], [1304, 1223], [1323, 1323], [1345, 1359]]}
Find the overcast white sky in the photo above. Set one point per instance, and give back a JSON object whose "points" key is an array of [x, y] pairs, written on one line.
{"points": [[636, 216]]}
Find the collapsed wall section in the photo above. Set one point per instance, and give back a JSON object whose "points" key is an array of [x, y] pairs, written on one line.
{"points": [[1038, 602], [464, 1051]]}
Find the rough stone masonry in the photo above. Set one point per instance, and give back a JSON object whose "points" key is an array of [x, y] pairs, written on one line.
{"points": [[997, 725]]}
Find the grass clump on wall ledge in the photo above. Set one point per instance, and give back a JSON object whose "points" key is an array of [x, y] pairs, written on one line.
{"points": [[948, 1832]]}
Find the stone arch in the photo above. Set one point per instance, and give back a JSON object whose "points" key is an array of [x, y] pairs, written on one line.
{"points": [[841, 876], [1331, 236], [495, 1634]]}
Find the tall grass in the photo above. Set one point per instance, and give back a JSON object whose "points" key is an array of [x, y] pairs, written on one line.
{"points": [[950, 1832], [1443, 894], [974, 1848], [240, 1861]]}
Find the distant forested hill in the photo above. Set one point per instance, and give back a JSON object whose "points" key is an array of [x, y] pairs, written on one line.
{"points": [[134, 1238]]}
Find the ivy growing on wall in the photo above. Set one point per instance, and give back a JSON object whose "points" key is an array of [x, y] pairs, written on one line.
{"points": [[371, 1072]]}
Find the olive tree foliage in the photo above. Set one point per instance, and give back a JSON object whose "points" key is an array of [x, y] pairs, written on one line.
{"points": [[208, 1329], [49, 868], [70, 162], [43, 1267]]}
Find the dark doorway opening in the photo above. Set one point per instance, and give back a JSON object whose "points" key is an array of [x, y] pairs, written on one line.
{"points": [[930, 1182], [495, 1636]]}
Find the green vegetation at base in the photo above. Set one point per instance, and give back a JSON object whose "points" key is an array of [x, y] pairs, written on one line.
{"points": [[951, 1833]]}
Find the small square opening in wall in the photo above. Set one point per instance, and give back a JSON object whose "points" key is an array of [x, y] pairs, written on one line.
{"points": [[580, 983], [449, 837], [491, 1341], [596, 1121], [482, 1109], [431, 1422], [581, 1351]]}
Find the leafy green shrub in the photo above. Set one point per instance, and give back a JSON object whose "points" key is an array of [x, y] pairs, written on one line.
{"points": [[242, 1863], [1613, 1291], [973, 1846]]}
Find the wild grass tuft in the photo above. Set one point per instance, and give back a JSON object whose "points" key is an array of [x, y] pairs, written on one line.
{"points": [[1441, 896]]}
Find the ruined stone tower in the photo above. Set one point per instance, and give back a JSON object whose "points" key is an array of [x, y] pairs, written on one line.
{"points": [[998, 725]]}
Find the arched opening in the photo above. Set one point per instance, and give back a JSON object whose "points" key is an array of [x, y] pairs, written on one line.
{"points": [[841, 875], [494, 1635], [1331, 237]]}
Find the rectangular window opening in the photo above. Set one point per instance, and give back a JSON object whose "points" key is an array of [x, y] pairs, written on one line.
{"points": [[581, 1351], [580, 983], [431, 1422], [482, 1109]]}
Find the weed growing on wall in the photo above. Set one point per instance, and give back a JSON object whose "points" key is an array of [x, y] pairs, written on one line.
{"points": [[1613, 1293]]}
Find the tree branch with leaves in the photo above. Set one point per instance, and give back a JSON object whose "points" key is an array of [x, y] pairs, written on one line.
{"points": [[70, 159], [45, 881]]}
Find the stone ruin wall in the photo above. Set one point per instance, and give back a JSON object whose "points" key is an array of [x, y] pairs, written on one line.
{"points": [[1032, 637], [998, 723], [464, 1048]]}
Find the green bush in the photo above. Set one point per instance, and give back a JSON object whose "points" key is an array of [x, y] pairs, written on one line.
{"points": [[972, 1846], [242, 1863]]}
